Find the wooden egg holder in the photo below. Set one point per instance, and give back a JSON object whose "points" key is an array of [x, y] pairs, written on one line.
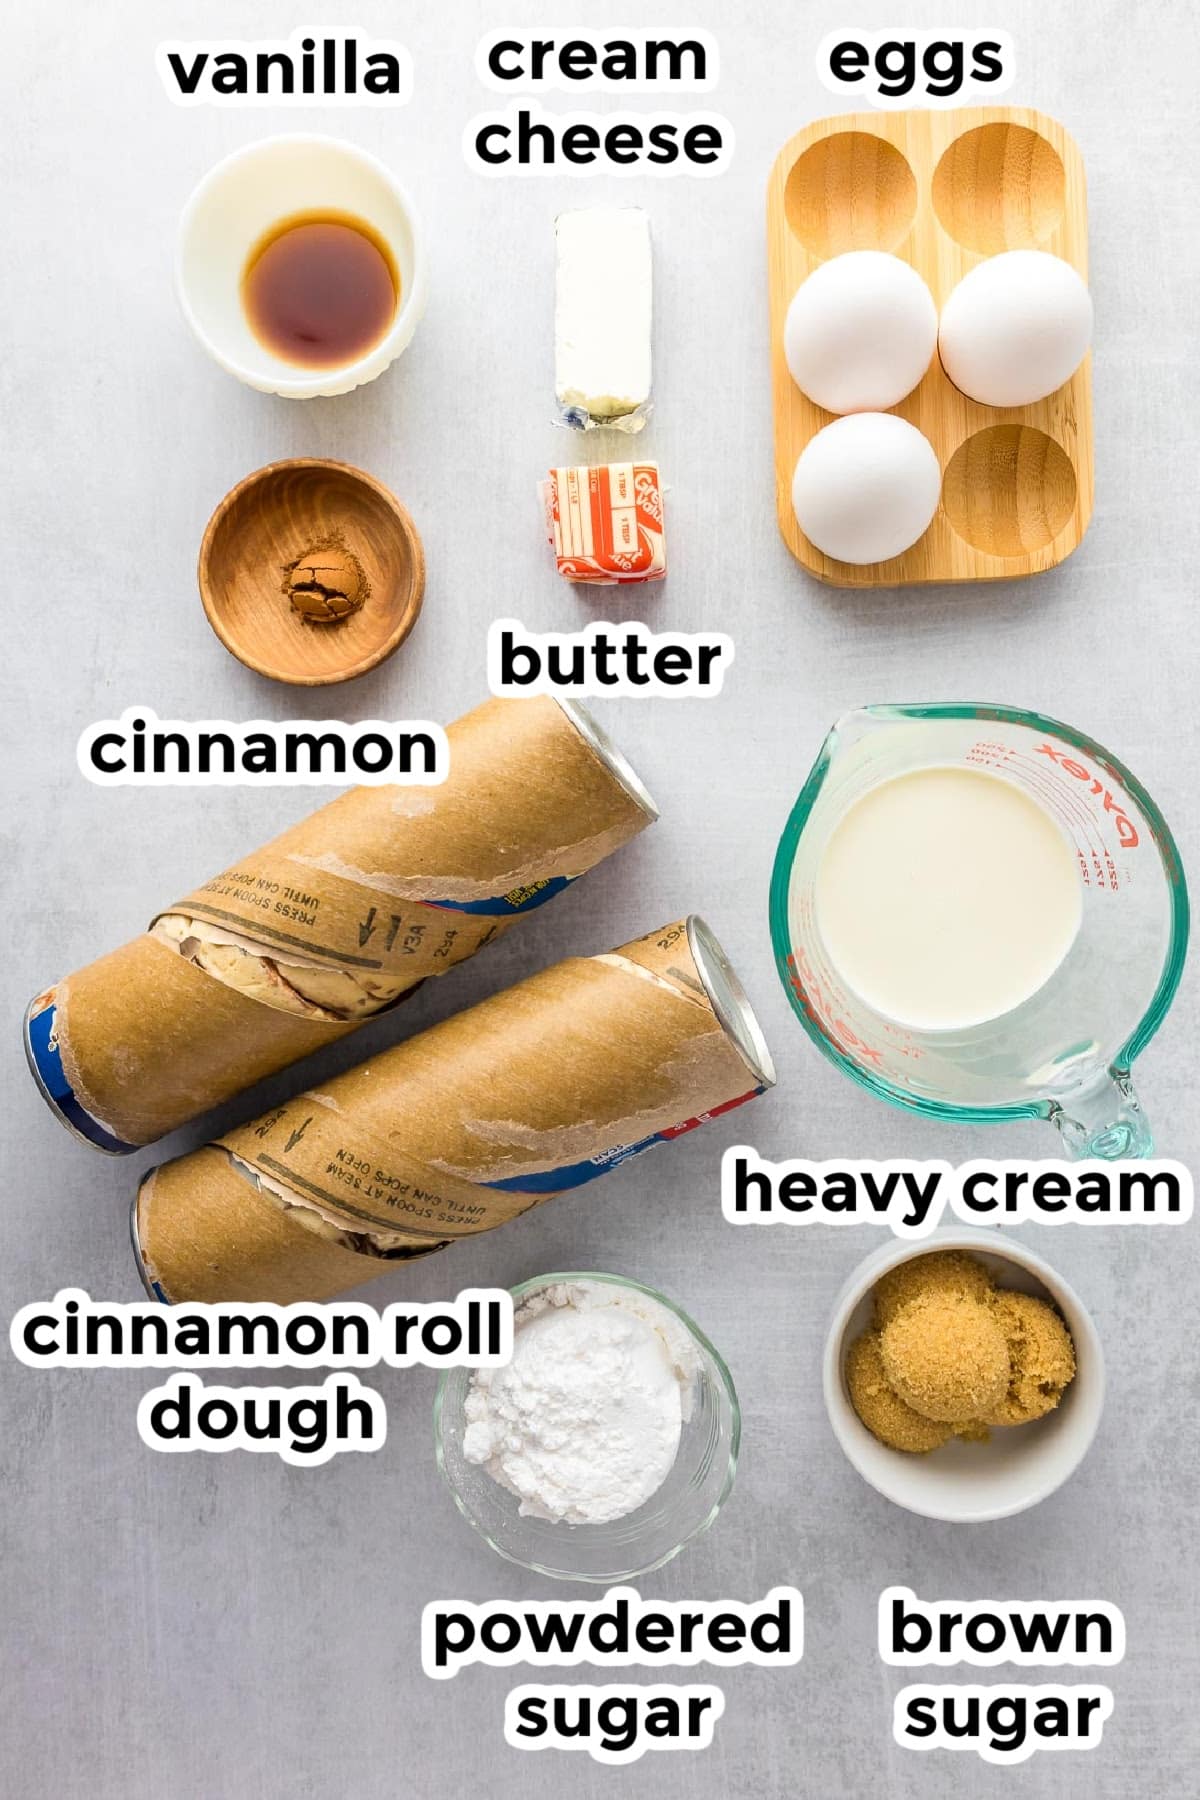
{"points": [[943, 190]]}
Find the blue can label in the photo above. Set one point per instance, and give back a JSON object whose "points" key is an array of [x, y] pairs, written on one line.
{"points": [[41, 1037], [503, 906]]}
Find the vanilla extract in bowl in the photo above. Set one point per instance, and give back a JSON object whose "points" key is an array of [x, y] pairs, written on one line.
{"points": [[320, 289]]}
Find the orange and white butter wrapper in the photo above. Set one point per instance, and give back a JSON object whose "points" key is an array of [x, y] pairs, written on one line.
{"points": [[605, 524]]}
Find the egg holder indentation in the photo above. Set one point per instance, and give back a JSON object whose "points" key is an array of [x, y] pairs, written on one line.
{"points": [[943, 190]]}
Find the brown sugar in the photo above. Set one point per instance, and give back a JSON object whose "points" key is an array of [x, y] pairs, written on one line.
{"points": [[946, 1355], [942, 1271], [1041, 1358], [974, 1431], [952, 1355], [882, 1411]]}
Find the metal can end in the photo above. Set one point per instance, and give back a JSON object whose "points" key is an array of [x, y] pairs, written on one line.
{"points": [[45, 1064], [614, 760], [729, 1001]]}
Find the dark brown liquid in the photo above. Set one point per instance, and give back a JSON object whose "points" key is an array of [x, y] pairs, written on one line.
{"points": [[320, 289]]}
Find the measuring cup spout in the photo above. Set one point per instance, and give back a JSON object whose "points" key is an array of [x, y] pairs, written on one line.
{"points": [[1104, 1121]]}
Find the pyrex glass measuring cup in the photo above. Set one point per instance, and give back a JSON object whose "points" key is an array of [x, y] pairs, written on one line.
{"points": [[1065, 1053]]}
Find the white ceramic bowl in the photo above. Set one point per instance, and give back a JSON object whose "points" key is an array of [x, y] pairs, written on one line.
{"points": [[239, 200], [965, 1483]]}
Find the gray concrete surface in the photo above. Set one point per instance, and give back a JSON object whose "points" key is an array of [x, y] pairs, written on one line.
{"points": [[233, 1629]]}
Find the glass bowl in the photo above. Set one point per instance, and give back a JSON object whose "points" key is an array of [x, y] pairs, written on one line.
{"points": [[683, 1507]]}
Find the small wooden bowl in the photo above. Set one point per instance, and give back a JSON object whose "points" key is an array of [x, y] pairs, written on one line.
{"points": [[272, 518]]}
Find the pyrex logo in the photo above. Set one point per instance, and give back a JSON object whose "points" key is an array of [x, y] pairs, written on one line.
{"points": [[1126, 829]]}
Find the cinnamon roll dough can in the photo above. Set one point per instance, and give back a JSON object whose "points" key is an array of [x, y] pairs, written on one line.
{"points": [[539, 1089], [336, 920]]}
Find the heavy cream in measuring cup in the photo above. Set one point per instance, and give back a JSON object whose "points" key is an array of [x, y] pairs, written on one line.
{"points": [[946, 897]]}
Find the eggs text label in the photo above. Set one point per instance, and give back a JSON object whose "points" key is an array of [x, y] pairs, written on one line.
{"points": [[891, 70]]}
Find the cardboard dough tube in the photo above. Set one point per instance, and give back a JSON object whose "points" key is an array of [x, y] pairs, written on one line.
{"points": [[349, 910], [539, 1089]]}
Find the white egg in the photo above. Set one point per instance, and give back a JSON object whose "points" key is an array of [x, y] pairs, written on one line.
{"points": [[1015, 328], [866, 487], [860, 332]]}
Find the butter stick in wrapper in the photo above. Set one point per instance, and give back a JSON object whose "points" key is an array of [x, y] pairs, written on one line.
{"points": [[540, 1089], [338, 919], [605, 524]]}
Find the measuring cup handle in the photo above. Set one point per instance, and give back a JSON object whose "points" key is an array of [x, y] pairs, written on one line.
{"points": [[1104, 1121]]}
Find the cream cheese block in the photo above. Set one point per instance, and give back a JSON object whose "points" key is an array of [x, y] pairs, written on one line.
{"points": [[602, 315]]}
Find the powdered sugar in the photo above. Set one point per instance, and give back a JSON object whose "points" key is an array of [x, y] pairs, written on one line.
{"points": [[584, 1423]]}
